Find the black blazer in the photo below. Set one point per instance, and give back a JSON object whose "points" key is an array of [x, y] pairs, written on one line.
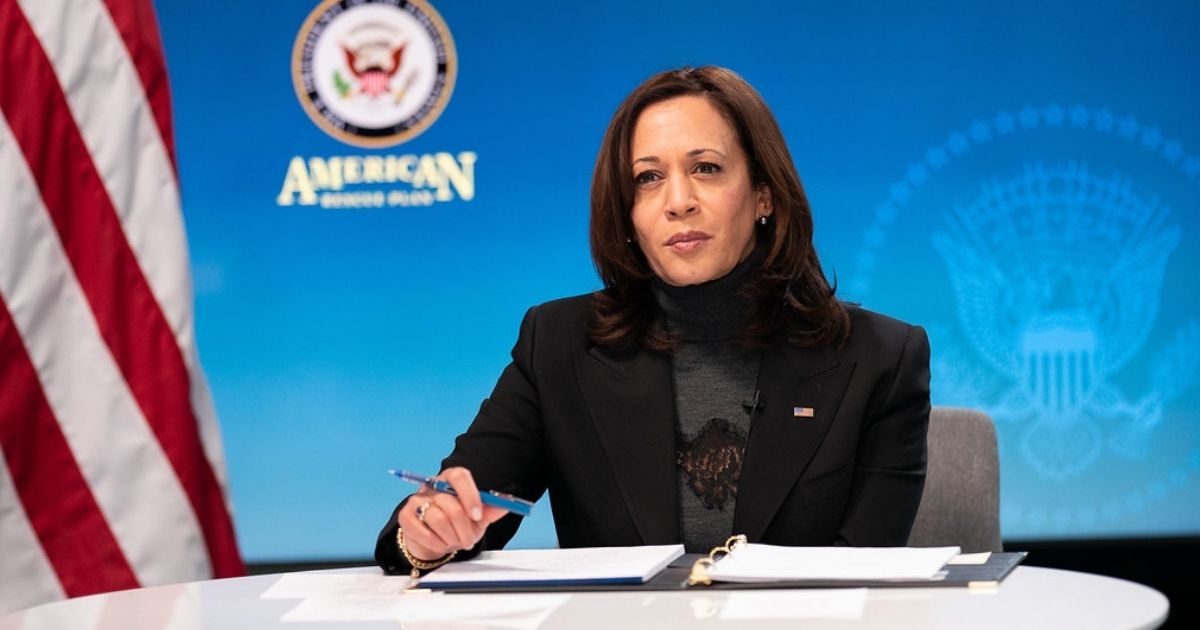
{"points": [[596, 427]]}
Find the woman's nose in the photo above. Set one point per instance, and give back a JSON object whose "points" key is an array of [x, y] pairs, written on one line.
{"points": [[680, 198]]}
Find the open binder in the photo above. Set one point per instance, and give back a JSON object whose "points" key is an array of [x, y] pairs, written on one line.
{"points": [[695, 572], [705, 570]]}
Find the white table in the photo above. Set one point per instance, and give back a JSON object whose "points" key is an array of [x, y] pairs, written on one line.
{"points": [[1030, 598]]}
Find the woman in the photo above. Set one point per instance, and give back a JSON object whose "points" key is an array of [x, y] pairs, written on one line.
{"points": [[714, 386]]}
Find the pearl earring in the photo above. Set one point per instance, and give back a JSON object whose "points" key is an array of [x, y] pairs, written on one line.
{"points": [[762, 220]]}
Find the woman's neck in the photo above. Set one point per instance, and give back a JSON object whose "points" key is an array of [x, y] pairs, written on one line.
{"points": [[709, 311]]}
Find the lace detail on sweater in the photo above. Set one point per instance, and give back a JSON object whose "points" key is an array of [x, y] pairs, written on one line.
{"points": [[712, 462]]}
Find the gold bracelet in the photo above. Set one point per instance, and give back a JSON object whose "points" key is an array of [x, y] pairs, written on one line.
{"points": [[418, 564]]}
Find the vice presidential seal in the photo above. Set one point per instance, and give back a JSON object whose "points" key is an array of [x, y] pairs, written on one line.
{"points": [[374, 73]]}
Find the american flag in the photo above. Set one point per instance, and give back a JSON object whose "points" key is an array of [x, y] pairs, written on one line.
{"points": [[112, 474]]}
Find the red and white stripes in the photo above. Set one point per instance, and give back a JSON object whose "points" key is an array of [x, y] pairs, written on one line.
{"points": [[111, 474]]}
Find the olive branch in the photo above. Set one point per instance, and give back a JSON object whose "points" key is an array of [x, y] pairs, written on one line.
{"points": [[343, 87]]}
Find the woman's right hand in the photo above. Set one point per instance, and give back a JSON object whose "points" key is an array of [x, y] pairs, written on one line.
{"points": [[449, 523]]}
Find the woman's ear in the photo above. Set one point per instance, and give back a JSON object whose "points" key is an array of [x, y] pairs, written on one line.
{"points": [[765, 205]]}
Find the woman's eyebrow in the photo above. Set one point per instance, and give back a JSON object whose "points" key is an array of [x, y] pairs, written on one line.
{"points": [[692, 153]]}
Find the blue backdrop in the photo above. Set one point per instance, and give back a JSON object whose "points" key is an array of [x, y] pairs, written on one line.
{"points": [[1020, 178]]}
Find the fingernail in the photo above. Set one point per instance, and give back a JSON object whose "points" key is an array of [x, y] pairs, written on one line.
{"points": [[476, 513]]}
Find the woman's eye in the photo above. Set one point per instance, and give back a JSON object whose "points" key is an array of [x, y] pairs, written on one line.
{"points": [[645, 177], [707, 168]]}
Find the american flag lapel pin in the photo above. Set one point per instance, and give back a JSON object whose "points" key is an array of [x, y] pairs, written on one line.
{"points": [[802, 412]]}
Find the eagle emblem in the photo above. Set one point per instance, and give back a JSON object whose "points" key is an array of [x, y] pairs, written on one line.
{"points": [[1057, 275], [373, 56], [373, 66]]}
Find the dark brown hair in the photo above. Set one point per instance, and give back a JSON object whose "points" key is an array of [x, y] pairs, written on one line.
{"points": [[788, 289]]}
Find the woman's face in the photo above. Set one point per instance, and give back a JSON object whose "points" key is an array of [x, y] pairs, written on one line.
{"points": [[694, 208]]}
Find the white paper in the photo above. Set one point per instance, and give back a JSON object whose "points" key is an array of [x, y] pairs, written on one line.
{"points": [[301, 585], [589, 564], [518, 611], [763, 563], [839, 603], [971, 558], [344, 608]]}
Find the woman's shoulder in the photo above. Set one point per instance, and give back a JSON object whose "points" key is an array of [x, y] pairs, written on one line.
{"points": [[565, 311], [566, 307], [874, 319], [873, 331], [563, 320]]}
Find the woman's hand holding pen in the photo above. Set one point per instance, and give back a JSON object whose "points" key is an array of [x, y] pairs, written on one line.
{"points": [[437, 523]]}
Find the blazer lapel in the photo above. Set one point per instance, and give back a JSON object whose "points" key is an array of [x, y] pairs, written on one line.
{"points": [[629, 396], [801, 390]]}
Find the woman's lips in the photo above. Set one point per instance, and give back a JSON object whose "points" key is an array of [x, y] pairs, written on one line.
{"points": [[687, 241]]}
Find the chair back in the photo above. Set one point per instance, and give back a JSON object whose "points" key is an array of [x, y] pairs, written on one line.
{"points": [[961, 502]]}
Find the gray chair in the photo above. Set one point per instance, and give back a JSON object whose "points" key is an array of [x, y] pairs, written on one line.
{"points": [[961, 503]]}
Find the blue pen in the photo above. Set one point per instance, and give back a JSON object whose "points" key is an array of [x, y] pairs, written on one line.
{"points": [[489, 497]]}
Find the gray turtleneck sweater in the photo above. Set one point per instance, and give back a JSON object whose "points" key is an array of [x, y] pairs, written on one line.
{"points": [[714, 377]]}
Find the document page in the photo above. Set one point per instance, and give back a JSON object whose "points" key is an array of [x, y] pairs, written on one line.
{"points": [[545, 567], [511, 611], [770, 563], [329, 584]]}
